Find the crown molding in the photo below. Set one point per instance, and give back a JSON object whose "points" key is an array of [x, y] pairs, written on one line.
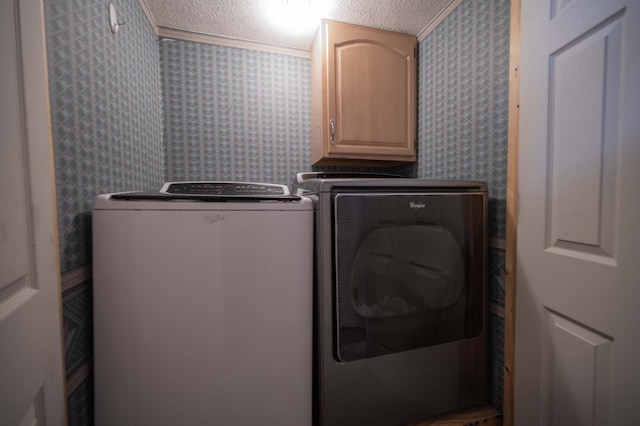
{"points": [[438, 19], [178, 34]]}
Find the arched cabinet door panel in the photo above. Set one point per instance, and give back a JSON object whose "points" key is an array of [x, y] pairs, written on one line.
{"points": [[363, 96]]}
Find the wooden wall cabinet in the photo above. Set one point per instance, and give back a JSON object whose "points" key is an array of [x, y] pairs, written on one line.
{"points": [[363, 93]]}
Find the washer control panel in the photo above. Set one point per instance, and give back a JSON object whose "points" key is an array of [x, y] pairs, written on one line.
{"points": [[244, 189]]}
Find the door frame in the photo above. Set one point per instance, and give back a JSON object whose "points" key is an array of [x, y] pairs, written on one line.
{"points": [[512, 214]]}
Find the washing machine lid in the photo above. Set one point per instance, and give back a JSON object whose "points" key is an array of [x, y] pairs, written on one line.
{"points": [[141, 196], [214, 191], [202, 193]]}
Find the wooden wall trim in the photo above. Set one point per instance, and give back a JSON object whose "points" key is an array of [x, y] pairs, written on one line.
{"points": [[512, 214], [176, 34], [438, 19], [75, 277], [78, 377]]}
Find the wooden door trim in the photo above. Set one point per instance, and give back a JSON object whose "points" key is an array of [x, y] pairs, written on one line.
{"points": [[512, 214]]}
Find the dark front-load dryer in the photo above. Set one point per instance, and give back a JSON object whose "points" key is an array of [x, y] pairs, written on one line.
{"points": [[400, 296]]}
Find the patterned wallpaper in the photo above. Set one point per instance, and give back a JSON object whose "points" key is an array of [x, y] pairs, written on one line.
{"points": [[234, 114], [463, 93], [106, 111]]}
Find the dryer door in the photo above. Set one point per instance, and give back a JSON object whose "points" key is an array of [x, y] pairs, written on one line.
{"points": [[409, 271]]}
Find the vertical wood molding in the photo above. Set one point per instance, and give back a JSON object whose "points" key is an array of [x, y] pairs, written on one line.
{"points": [[512, 212]]}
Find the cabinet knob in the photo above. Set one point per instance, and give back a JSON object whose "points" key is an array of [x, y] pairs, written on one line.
{"points": [[333, 131]]}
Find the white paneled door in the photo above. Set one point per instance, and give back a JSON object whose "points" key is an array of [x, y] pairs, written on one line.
{"points": [[578, 290], [31, 372]]}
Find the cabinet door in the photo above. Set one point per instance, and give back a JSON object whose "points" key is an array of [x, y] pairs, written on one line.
{"points": [[371, 82]]}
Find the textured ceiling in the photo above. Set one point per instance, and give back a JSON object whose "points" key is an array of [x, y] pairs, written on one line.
{"points": [[253, 20]]}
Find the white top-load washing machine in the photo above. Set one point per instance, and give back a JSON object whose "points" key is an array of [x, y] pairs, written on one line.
{"points": [[203, 306]]}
